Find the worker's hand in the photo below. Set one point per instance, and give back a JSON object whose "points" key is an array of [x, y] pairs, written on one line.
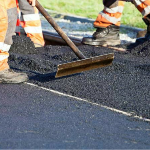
{"points": [[31, 2]]}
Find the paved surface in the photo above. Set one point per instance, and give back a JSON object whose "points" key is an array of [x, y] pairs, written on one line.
{"points": [[124, 85], [31, 117]]}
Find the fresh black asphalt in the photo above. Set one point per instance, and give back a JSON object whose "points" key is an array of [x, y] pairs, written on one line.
{"points": [[124, 85], [33, 118]]}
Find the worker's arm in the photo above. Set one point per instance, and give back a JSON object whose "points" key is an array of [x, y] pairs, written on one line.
{"points": [[31, 2]]}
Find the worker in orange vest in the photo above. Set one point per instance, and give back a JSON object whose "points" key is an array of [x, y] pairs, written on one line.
{"points": [[8, 18], [107, 23], [30, 22]]}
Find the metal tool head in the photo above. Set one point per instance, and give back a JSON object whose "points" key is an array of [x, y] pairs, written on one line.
{"points": [[84, 65]]}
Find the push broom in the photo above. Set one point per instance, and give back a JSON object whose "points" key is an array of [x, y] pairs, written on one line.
{"points": [[83, 64]]}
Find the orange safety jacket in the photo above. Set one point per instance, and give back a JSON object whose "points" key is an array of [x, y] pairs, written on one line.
{"points": [[112, 14], [8, 18], [29, 19]]}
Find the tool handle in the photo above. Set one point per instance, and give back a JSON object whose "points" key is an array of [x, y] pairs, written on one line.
{"points": [[59, 31]]}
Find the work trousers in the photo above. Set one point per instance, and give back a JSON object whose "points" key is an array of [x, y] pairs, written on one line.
{"points": [[113, 9], [29, 19], [8, 18]]}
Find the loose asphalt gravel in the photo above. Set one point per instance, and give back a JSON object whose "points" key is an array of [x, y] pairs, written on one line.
{"points": [[124, 85]]}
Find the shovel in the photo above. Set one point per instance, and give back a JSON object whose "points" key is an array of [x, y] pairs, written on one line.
{"points": [[84, 63]]}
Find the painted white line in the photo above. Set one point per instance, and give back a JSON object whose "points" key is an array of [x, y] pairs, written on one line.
{"points": [[84, 100]]}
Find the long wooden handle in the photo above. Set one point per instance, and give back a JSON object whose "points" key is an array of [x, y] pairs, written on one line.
{"points": [[59, 31]]}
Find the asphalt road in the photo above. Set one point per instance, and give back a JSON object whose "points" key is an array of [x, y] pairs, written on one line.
{"points": [[124, 85], [33, 118]]}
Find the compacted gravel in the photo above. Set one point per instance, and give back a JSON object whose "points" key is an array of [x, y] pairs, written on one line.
{"points": [[124, 85]]}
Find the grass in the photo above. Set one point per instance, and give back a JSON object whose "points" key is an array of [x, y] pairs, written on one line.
{"points": [[90, 9]]}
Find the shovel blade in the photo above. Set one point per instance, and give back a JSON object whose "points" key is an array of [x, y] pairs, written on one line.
{"points": [[84, 65]]}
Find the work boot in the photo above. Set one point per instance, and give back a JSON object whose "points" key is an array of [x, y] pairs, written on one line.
{"points": [[104, 36], [9, 76]]}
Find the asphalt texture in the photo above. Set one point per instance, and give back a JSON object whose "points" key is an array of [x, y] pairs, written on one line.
{"points": [[124, 85], [33, 118]]}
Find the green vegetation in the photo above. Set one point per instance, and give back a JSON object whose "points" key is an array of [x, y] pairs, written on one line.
{"points": [[91, 8]]}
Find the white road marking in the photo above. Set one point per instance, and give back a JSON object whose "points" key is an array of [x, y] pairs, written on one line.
{"points": [[84, 100]]}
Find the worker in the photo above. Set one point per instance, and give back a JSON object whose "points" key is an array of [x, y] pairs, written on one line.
{"points": [[107, 23], [8, 18], [31, 22]]}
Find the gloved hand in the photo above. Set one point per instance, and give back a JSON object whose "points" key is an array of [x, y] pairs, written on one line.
{"points": [[31, 2]]}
